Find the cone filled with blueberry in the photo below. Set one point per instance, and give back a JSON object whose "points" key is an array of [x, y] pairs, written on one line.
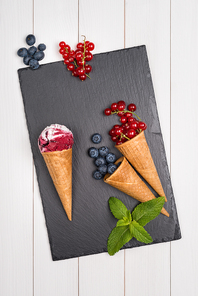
{"points": [[118, 173], [131, 142]]}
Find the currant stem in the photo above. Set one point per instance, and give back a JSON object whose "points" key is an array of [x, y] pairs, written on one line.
{"points": [[126, 111], [122, 135]]}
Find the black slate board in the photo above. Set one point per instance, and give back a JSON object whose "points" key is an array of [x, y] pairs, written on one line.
{"points": [[52, 95]]}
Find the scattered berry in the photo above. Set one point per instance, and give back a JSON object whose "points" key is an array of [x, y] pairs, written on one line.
{"points": [[97, 175], [42, 47], [96, 138], [103, 151], [39, 55], [102, 169], [110, 157], [111, 168], [22, 52], [93, 152], [99, 161], [30, 39], [32, 50], [34, 64], [26, 60]]}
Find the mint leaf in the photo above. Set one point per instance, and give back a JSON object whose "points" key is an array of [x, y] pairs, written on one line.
{"points": [[129, 216], [140, 233], [118, 237], [122, 222], [147, 211], [131, 228], [117, 208]]}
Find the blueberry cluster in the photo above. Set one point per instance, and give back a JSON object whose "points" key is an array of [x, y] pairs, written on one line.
{"points": [[33, 55], [104, 160]]}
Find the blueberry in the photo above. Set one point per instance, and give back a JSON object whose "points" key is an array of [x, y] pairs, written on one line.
{"points": [[93, 152], [30, 39], [96, 138], [34, 64], [32, 50], [110, 157], [97, 175], [99, 161], [103, 151], [102, 169], [22, 52], [26, 60], [42, 47], [39, 55], [111, 168]]}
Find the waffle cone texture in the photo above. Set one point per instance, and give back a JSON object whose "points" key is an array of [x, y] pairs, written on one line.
{"points": [[59, 164], [126, 180], [138, 154]]}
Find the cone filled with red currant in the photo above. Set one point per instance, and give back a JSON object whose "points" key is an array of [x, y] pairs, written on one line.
{"points": [[131, 142], [126, 180]]}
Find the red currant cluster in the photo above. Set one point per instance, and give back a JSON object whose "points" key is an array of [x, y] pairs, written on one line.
{"points": [[130, 126], [76, 60]]}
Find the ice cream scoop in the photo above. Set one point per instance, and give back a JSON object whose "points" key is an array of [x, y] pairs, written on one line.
{"points": [[55, 137], [55, 144]]}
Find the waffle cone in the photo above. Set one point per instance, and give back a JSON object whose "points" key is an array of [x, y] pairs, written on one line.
{"points": [[138, 154], [126, 180], [59, 164]]}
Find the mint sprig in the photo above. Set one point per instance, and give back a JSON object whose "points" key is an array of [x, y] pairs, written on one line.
{"points": [[130, 224]]}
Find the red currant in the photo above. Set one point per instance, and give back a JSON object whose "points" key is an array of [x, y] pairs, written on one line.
{"points": [[72, 53], [132, 107], [131, 133], [88, 68], [81, 63], [89, 56], [71, 59], [86, 43], [118, 142], [70, 67], [67, 47], [114, 106], [82, 77], [123, 139], [80, 45], [91, 46], [112, 132], [65, 55], [62, 44], [79, 56], [134, 125], [142, 125], [125, 126], [107, 111], [80, 71], [116, 126], [128, 114], [121, 106], [62, 50], [123, 119], [120, 114], [122, 102], [66, 61], [114, 138], [75, 73], [131, 119]]}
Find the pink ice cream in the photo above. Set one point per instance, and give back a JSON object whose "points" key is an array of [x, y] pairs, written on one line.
{"points": [[55, 137]]}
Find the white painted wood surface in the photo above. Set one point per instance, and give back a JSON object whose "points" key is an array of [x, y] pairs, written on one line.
{"points": [[169, 29]]}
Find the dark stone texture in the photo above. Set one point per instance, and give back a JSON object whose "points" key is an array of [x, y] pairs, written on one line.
{"points": [[52, 95]]}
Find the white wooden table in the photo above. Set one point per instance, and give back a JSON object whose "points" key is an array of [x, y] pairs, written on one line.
{"points": [[170, 31]]}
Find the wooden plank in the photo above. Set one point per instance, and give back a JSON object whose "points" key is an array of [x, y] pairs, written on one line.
{"points": [[54, 22], [184, 161], [148, 22], [103, 23], [16, 273]]}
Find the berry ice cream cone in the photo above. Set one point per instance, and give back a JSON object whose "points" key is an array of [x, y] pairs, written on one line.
{"points": [[55, 144], [126, 180], [138, 154]]}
